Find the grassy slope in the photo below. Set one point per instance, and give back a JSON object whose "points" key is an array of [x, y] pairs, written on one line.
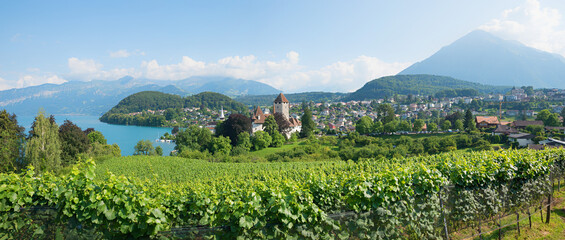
{"points": [[267, 151]]}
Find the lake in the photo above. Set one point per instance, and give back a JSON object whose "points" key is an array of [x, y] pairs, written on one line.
{"points": [[125, 136]]}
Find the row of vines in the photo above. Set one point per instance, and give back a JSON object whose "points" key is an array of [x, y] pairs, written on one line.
{"points": [[388, 199]]}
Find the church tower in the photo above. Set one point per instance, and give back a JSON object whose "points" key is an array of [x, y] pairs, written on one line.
{"points": [[281, 105], [222, 117]]}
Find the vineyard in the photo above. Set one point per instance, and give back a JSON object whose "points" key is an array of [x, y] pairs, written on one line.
{"points": [[408, 198]]}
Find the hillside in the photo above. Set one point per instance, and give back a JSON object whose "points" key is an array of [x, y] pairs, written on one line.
{"points": [[484, 58], [152, 100], [416, 84], [97, 97], [266, 100]]}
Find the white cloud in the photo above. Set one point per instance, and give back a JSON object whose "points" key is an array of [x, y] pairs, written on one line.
{"points": [[34, 80], [4, 84], [30, 80], [89, 69], [534, 25], [123, 53], [120, 54], [285, 74]]}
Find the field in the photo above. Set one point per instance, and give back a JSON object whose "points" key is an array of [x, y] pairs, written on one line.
{"points": [[406, 198]]}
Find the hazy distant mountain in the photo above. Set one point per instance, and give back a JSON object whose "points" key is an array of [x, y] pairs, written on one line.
{"points": [[484, 58], [97, 97], [420, 84]]}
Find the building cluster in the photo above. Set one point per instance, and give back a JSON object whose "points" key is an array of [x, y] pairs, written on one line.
{"points": [[281, 105]]}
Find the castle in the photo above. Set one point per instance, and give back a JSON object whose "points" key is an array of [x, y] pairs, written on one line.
{"points": [[280, 105]]}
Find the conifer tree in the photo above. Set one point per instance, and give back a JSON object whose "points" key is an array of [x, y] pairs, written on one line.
{"points": [[308, 124]]}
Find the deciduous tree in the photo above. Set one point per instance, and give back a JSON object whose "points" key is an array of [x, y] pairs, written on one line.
{"points": [[144, 147], [11, 143], [73, 142], [43, 150], [364, 125]]}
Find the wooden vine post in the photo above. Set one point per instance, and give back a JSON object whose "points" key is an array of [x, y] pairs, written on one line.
{"points": [[548, 214], [500, 212], [443, 214], [518, 221]]}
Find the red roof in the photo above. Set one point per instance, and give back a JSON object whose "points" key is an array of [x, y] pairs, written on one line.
{"points": [[488, 119], [281, 99]]}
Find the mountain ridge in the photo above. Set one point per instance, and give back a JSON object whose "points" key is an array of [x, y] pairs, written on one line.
{"points": [[484, 58], [98, 96]]}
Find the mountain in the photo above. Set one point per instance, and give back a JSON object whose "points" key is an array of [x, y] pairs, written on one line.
{"points": [[267, 100], [484, 58], [97, 97], [421, 84]]}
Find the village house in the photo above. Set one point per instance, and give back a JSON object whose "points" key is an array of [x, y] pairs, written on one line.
{"points": [[505, 130], [486, 121], [523, 139], [520, 124]]}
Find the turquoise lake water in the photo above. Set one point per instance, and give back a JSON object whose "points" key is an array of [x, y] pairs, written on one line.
{"points": [[125, 136]]}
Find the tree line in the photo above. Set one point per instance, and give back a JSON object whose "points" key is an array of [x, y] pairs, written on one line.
{"points": [[48, 146], [173, 104]]}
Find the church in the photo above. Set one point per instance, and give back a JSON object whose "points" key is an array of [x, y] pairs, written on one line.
{"points": [[280, 105]]}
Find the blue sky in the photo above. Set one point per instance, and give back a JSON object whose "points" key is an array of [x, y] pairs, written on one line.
{"points": [[291, 45]]}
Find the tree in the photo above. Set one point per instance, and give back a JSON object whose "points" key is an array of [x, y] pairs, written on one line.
{"points": [[469, 121], [390, 127], [404, 125], [234, 125], [543, 115], [418, 125], [194, 138], [220, 144], [11, 143], [170, 114], [377, 126], [277, 139], [144, 147], [537, 130], [432, 145], [308, 124], [270, 125], [261, 140], [459, 124], [364, 125], [553, 120], [244, 141], [96, 136], [453, 117], [432, 127], [73, 142], [446, 125], [159, 151], [175, 130], [282, 122], [385, 113], [448, 144], [563, 115], [43, 150]]}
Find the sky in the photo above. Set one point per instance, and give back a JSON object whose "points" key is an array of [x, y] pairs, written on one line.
{"points": [[294, 46]]}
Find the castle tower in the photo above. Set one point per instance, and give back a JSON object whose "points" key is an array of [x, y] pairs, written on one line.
{"points": [[281, 105]]}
